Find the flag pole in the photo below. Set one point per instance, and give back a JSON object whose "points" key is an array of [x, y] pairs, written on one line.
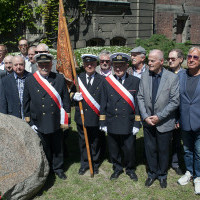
{"points": [[72, 58]]}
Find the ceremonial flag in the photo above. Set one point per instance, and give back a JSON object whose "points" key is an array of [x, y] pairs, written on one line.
{"points": [[64, 63]]}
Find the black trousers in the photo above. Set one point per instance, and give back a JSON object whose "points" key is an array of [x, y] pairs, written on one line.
{"points": [[126, 144], [94, 143], [157, 152], [53, 148], [176, 147]]}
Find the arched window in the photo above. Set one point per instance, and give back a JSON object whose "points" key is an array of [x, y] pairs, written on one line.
{"points": [[95, 42], [118, 41]]}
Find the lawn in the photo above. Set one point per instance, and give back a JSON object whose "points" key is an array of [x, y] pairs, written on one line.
{"points": [[84, 187]]}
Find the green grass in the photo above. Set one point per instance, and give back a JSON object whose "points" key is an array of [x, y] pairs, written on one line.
{"points": [[84, 187]]}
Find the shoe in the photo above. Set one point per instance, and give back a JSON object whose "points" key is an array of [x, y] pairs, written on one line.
{"points": [[163, 183], [185, 179], [115, 175], [149, 182], [82, 171], [132, 175], [96, 171], [178, 170], [197, 185], [61, 175]]}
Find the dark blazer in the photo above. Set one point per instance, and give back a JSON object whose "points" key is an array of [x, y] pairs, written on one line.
{"points": [[9, 96], [120, 117], [91, 118], [3, 73], [189, 108], [40, 107]]}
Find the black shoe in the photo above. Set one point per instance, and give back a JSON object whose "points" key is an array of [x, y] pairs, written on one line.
{"points": [[132, 175], [178, 170], [82, 171], [96, 171], [149, 182], [115, 175], [163, 183], [61, 175]]}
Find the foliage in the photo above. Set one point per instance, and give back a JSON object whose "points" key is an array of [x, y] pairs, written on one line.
{"points": [[161, 42]]}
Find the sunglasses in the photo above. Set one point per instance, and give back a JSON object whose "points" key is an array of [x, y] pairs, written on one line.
{"points": [[172, 59], [41, 52], [102, 61], [189, 57]]}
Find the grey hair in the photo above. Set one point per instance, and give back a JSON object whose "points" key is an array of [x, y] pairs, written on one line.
{"points": [[105, 53], [18, 56], [179, 53], [194, 48], [158, 52], [43, 45]]}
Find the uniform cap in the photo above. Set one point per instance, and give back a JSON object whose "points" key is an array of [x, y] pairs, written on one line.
{"points": [[43, 57], [120, 57], [89, 58]]}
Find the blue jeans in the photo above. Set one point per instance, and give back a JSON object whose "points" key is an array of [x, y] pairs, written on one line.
{"points": [[191, 145]]}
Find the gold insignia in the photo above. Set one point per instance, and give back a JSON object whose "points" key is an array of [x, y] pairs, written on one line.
{"points": [[27, 119], [137, 118], [69, 115], [119, 57], [71, 95], [43, 56], [102, 117], [64, 126]]}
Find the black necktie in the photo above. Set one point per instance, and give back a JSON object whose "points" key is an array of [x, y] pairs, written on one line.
{"points": [[154, 90], [89, 82], [120, 80]]}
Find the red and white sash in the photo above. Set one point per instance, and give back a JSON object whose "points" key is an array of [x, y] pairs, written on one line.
{"points": [[88, 98], [54, 94], [123, 92]]}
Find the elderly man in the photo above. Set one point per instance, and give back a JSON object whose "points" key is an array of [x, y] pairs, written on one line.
{"points": [[23, 48], [43, 48], [189, 118], [3, 52], [47, 109], [175, 59], [119, 116], [138, 56], [31, 64], [105, 67], [13, 88], [8, 64], [90, 84], [158, 99]]}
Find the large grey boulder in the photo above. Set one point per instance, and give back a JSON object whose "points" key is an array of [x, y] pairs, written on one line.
{"points": [[23, 164]]}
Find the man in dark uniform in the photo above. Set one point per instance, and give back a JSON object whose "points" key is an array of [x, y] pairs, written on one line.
{"points": [[120, 115], [46, 98], [90, 84]]}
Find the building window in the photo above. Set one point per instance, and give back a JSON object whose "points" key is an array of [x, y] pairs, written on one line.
{"points": [[118, 41], [95, 42]]}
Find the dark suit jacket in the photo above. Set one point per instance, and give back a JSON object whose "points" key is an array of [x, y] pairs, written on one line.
{"points": [[40, 107], [120, 117], [3, 73], [9, 96], [91, 118], [189, 108]]}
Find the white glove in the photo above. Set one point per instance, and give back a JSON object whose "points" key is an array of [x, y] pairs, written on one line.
{"points": [[78, 96], [104, 128], [135, 130], [34, 127]]}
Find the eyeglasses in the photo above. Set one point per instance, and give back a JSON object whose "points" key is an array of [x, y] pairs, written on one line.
{"points": [[102, 61], [23, 45], [189, 57], [172, 59], [41, 52]]}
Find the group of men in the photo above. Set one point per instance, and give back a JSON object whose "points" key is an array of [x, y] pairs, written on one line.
{"points": [[117, 100]]}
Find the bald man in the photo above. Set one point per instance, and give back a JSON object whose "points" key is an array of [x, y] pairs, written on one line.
{"points": [[158, 99]]}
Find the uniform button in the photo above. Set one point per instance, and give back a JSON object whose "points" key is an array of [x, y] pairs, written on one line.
{"points": [[93, 94], [42, 98], [38, 90], [115, 115], [52, 113], [97, 88], [116, 109], [111, 95], [86, 109], [123, 109], [51, 105], [43, 105], [124, 102], [43, 113]]}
